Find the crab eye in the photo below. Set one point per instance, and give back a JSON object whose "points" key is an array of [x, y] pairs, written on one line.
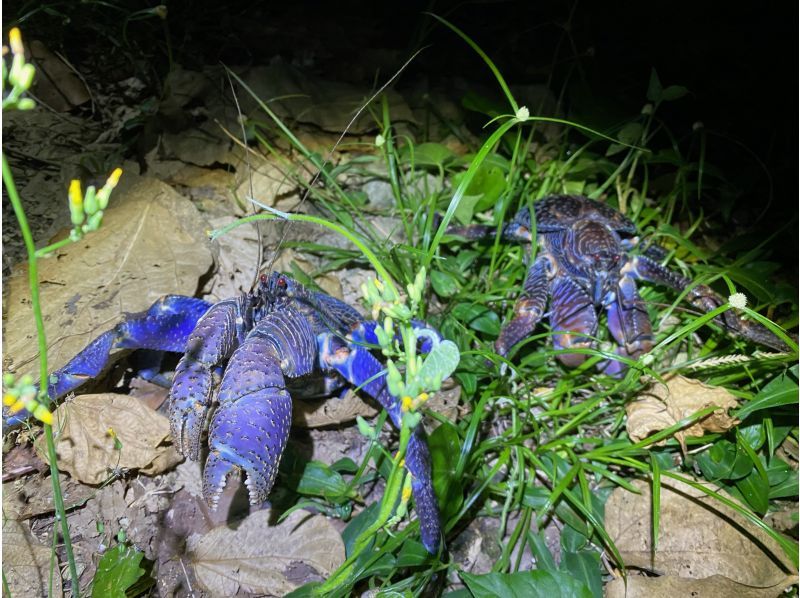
{"points": [[263, 278], [282, 282]]}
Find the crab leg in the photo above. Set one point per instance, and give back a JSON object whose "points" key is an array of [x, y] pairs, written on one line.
{"points": [[705, 298], [164, 326], [528, 309], [572, 314], [360, 367], [629, 324]]}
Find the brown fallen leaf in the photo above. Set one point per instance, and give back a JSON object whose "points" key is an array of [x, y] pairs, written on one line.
{"points": [[698, 537], [56, 85], [85, 445], [152, 243], [26, 562], [669, 586], [32, 496], [331, 411], [662, 406], [301, 96], [261, 557]]}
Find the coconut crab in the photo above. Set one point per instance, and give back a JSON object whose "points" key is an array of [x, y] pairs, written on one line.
{"points": [[261, 344], [585, 263]]}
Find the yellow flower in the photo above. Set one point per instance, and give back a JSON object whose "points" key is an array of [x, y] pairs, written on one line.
{"points": [[406, 404], [75, 194], [406, 493], [18, 406], [43, 414], [114, 178], [15, 41]]}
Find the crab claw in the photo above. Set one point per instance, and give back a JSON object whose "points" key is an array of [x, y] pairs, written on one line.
{"points": [[248, 435], [190, 400]]}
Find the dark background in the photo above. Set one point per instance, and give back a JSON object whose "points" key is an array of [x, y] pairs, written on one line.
{"points": [[739, 62]]}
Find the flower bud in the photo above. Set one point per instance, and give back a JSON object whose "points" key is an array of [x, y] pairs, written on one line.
{"points": [[90, 200]]}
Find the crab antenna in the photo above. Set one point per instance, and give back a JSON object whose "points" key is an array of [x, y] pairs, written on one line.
{"points": [[249, 177], [329, 156]]}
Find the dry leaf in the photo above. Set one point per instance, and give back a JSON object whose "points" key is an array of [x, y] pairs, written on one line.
{"points": [[86, 448], [698, 537], [26, 562], [304, 97], [152, 243], [32, 496], [56, 84], [669, 586], [660, 407], [331, 411], [263, 558]]}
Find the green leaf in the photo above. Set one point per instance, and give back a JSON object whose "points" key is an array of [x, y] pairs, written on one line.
{"points": [[427, 154], [654, 89], [778, 471], [541, 554], [584, 565], [477, 103], [320, 480], [357, 525], [755, 492], [468, 382], [785, 489], [673, 92], [531, 584], [445, 444], [631, 133], [117, 571], [444, 283], [345, 465], [478, 317], [724, 461], [778, 392], [482, 193], [412, 554], [754, 435], [440, 363], [572, 540]]}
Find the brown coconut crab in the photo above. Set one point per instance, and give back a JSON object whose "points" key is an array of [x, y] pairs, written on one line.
{"points": [[584, 263]]}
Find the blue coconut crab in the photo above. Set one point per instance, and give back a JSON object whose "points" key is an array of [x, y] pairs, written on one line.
{"points": [[258, 343], [585, 263]]}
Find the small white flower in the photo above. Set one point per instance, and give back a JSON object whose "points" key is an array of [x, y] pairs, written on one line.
{"points": [[379, 140], [523, 114], [738, 300]]}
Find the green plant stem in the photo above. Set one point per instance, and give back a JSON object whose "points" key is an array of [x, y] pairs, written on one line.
{"points": [[33, 279], [51, 248]]}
